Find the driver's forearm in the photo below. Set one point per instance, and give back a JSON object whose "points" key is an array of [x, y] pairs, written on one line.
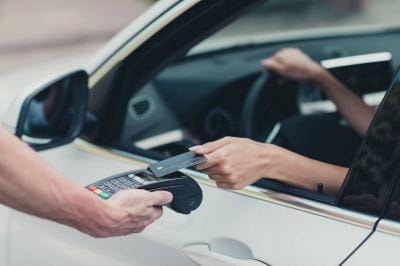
{"points": [[28, 184], [356, 112], [307, 173]]}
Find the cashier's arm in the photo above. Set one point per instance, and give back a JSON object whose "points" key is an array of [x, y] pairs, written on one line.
{"points": [[30, 185]]}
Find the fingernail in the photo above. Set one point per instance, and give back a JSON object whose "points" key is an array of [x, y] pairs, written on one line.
{"points": [[170, 196], [194, 148]]}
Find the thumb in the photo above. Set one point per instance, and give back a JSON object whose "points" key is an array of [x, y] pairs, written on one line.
{"points": [[211, 146], [161, 198]]}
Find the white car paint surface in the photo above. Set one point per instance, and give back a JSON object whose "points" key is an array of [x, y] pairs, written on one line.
{"points": [[4, 234], [381, 247], [269, 230]]}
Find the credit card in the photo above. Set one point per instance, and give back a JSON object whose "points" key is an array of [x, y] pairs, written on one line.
{"points": [[176, 163]]}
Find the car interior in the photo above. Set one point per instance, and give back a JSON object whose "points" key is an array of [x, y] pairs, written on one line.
{"points": [[203, 96]]}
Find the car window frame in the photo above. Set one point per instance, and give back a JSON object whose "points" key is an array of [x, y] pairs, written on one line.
{"points": [[107, 139]]}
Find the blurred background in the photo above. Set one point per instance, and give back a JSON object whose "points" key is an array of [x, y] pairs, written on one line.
{"points": [[35, 32]]}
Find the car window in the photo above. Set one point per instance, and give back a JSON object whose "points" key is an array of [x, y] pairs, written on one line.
{"points": [[211, 93], [375, 169]]}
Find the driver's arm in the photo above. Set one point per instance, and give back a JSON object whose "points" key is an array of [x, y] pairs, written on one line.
{"points": [[236, 162], [294, 64]]}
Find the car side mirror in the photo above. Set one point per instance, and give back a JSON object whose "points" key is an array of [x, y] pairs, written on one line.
{"points": [[54, 113]]}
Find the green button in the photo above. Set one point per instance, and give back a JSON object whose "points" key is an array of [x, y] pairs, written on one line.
{"points": [[104, 195]]}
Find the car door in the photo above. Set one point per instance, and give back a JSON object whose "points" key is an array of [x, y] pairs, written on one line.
{"points": [[248, 227], [253, 226], [4, 234], [380, 248], [229, 228]]}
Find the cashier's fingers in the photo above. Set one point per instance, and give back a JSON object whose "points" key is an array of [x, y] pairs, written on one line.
{"points": [[161, 198], [133, 198], [149, 216], [156, 214]]}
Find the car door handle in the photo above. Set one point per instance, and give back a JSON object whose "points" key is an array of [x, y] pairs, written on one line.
{"points": [[222, 252]]}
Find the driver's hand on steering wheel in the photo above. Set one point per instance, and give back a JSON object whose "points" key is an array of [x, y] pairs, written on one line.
{"points": [[237, 162], [292, 63]]}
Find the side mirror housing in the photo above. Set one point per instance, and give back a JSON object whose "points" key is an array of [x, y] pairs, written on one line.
{"points": [[51, 114]]}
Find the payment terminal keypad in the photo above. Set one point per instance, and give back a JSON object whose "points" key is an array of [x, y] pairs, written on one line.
{"points": [[107, 187], [187, 194]]}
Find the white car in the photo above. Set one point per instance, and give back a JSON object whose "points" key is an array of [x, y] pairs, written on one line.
{"points": [[163, 85]]}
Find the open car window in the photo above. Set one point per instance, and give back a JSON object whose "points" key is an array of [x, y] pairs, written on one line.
{"points": [[203, 95]]}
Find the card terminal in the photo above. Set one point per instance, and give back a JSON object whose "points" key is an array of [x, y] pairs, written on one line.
{"points": [[187, 193]]}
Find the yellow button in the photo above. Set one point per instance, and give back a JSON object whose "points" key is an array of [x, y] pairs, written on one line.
{"points": [[98, 191]]}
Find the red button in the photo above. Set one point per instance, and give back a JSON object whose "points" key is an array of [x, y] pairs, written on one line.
{"points": [[92, 188]]}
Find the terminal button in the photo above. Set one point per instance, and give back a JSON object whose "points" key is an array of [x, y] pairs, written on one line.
{"points": [[92, 188], [104, 195]]}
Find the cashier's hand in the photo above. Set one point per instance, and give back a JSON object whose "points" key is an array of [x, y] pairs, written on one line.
{"points": [[237, 162], [292, 63], [131, 211]]}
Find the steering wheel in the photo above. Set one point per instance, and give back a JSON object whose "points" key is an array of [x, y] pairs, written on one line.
{"points": [[270, 99]]}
